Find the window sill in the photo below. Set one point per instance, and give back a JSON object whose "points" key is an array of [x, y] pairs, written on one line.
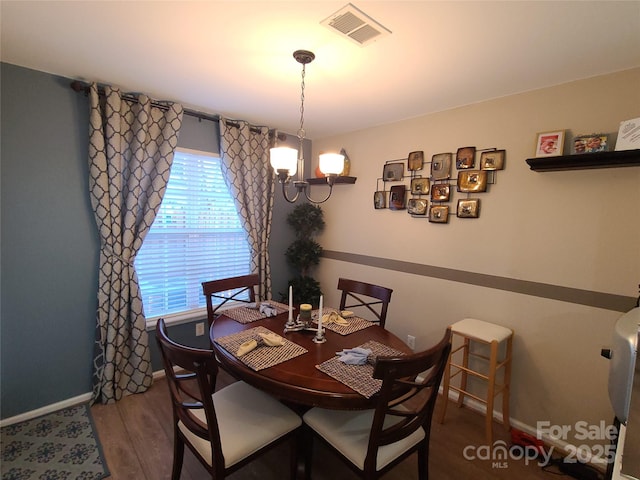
{"points": [[178, 318], [199, 314]]}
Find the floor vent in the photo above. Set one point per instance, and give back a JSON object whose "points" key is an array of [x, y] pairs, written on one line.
{"points": [[354, 24]]}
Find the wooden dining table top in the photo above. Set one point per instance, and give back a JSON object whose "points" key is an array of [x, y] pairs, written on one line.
{"points": [[298, 380]]}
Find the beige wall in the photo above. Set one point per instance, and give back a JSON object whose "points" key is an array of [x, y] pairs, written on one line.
{"points": [[576, 229]]}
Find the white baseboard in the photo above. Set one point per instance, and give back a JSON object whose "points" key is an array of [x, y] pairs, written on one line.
{"points": [[559, 445], [70, 402]]}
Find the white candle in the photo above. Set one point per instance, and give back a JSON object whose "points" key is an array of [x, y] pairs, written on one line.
{"points": [[290, 302], [320, 317]]}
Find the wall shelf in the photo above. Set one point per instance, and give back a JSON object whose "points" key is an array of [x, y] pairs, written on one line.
{"points": [[623, 158], [339, 179]]}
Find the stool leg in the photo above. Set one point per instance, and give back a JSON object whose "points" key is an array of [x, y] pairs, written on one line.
{"points": [[463, 374], [507, 386], [491, 390]]}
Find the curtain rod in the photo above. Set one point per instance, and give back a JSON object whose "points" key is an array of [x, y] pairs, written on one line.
{"points": [[79, 86]]}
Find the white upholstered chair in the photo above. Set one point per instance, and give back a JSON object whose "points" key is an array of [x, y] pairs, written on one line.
{"points": [[227, 429], [374, 441]]}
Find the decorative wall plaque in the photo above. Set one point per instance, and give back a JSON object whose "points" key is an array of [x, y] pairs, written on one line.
{"points": [[466, 158], [417, 206], [396, 197], [419, 186], [439, 213], [440, 192], [468, 208], [492, 160], [393, 172], [472, 181], [415, 160], [441, 166]]}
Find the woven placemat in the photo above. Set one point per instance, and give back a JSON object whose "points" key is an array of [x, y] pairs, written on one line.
{"points": [[261, 357], [358, 377], [355, 323], [244, 314]]}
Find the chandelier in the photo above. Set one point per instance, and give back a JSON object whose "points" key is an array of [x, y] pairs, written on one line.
{"points": [[287, 161]]}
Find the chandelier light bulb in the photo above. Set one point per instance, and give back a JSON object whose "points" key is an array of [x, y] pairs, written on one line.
{"points": [[331, 163]]}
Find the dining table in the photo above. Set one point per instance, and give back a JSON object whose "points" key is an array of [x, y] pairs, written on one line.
{"points": [[302, 371]]}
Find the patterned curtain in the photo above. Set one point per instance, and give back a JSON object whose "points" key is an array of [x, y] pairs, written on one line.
{"points": [[131, 147], [244, 150]]}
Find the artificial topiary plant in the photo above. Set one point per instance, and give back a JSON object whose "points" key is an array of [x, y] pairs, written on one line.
{"points": [[307, 221]]}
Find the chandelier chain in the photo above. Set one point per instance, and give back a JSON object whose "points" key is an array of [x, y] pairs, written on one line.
{"points": [[301, 132]]}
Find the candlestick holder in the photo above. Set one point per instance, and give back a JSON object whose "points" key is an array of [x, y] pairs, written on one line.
{"points": [[302, 322], [319, 338], [290, 321]]}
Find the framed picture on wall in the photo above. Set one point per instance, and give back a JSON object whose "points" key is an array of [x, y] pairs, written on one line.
{"points": [[550, 144], [596, 142]]}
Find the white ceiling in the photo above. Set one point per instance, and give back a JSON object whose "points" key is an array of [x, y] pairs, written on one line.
{"points": [[235, 57]]}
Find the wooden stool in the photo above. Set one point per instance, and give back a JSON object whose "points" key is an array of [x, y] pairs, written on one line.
{"points": [[490, 334]]}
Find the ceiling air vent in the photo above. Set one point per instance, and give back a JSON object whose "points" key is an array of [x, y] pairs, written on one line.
{"points": [[354, 24]]}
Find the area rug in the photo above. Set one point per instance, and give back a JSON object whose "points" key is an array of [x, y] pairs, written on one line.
{"points": [[61, 445]]}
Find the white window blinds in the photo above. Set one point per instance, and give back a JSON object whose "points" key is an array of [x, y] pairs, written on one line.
{"points": [[196, 236]]}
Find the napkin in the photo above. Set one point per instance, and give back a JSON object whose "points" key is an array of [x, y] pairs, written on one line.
{"points": [[246, 347], [268, 310], [271, 339], [268, 339], [354, 356], [333, 317]]}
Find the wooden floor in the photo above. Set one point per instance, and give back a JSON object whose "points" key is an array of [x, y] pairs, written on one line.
{"points": [[137, 439]]}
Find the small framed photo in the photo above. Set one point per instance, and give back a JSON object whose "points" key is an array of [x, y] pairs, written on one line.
{"points": [[492, 160], [397, 194], [440, 192], [415, 161], [468, 208], [441, 166], [417, 206], [379, 200], [439, 213], [466, 158], [596, 142], [472, 181], [393, 172], [550, 144], [419, 186]]}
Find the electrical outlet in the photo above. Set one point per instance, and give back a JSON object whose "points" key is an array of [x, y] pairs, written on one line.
{"points": [[411, 341], [199, 329]]}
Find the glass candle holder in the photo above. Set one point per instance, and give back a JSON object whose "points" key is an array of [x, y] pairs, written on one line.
{"points": [[305, 312]]}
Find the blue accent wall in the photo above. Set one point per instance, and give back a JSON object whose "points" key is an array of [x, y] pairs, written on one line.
{"points": [[49, 241]]}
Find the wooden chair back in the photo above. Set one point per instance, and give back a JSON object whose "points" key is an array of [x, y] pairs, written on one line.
{"points": [[192, 389], [418, 377], [353, 291], [216, 288]]}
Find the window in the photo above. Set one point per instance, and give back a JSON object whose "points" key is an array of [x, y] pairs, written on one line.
{"points": [[196, 236]]}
